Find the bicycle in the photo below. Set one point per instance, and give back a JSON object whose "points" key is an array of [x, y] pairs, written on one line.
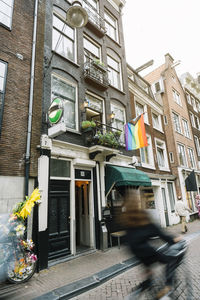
{"points": [[181, 287]]}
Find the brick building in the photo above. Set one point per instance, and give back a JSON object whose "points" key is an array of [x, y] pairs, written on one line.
{"points": [[159, 199], [16, 102], [182, 155]]}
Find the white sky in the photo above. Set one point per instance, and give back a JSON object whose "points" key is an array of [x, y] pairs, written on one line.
{"points": [[153, 28]]}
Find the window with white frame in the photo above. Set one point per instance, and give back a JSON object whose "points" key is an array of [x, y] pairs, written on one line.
{"points": [[92, 50], [156, 119], [161, 154], [111, 26], [67, 91], [194, 104], [192, 163], [146, 154], [177, 124], [186, 128], [141, 109], [119, 119], [182, 155], [188, 98], [176, 97], [63, 36], [196, 122], [95, 108], [6, 12], [114, 72], [192, 119], [92, 8], [196, 140], [171, 195], [3, 74]]}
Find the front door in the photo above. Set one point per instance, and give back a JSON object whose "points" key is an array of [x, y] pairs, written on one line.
{"points": [[59, 222]]}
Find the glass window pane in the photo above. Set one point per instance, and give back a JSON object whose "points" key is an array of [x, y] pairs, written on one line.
{"points": [[2, 69], [171, 196], [91, 47], [59, 168], [113, 63], [5, 9], [62, 89], [69, 114], [5, 19]]}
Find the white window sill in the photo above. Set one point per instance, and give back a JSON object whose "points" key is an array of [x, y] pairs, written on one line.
{"points": [[166, 169], [148, 166]]}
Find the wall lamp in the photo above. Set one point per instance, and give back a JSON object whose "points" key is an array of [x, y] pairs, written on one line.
{"points": [[76, 15], [112, 116]]}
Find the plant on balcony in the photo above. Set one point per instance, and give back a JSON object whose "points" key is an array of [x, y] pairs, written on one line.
{"points": [[98, 63], [88, 124], [108, 139]]}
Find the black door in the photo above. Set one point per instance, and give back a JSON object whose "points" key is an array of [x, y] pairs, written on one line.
{"points": [[59, 222]]}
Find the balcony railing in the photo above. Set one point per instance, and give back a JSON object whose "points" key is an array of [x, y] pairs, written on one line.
{"points": [[102, 134], [95, 21], [96, 74]]}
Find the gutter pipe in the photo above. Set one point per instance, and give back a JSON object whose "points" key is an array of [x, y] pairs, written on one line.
{"points": [[28, 142]]}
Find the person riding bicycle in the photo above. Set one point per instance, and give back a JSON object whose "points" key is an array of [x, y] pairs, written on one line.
{"points": [[140, 229]]}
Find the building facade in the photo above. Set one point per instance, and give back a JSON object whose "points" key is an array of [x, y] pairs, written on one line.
{"points": [[17, 21], [159, 199], [182, 155]]}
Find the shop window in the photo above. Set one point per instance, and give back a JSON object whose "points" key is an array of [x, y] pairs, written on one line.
{"points": [[147, 197]]}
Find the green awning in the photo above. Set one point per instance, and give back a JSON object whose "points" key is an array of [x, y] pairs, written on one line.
{"points": [[122, 176]]}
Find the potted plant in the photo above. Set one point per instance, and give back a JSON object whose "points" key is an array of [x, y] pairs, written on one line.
{"points": [[107, 139], [88, 124], [99, 64]]}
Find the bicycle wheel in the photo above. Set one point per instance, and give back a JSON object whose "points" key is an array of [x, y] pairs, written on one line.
{"points": [[22, 269]]}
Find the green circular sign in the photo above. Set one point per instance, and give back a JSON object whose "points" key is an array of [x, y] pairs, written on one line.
{"points": [[55, 111]]}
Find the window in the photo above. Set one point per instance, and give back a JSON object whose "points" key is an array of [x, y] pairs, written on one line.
{"points": [[146, 154], [192, 119], [188, 98], [194, 104], [91, 49], [182, 156], [171, 157], [191, 158], [92, 8], [3, 74], [196, 140], [161, 154], [176, 97], [66, 91], [6, 12], [95, 108], [111, 26], [158, 87], [59, 168], [196, 119], [156, 121], [171, 196], [140, 109], [186, 128], [177, 124], [63, 39], [114, 74], [165, 120], [119, 119]]}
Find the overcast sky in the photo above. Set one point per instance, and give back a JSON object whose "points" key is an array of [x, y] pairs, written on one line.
{"points": [[153, 28]]}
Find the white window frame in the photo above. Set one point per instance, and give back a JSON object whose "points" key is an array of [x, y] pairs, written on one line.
{"points": [[192, 120], [176, 97], [114, 108], [88, 53], [138, 112], [157, 125], [196, 141], [76, 100], [6, 13], [186, 128], [193, 101], [63, 35], [114, 26], [90, 94], [191, 158], [162, 145], [149, 152], [181, 150], [197, 125], [3, 77], [158, 87], [177, 123], [112, 70], [188, 98]]}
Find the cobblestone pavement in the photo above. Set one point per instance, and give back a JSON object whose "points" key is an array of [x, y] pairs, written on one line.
{"points": [[120, 286]]}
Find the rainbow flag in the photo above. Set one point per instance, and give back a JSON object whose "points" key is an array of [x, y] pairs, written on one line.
{"points": [[135, 135]]}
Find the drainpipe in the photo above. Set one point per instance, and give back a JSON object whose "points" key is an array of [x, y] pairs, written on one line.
{"points": [[28, 142]]}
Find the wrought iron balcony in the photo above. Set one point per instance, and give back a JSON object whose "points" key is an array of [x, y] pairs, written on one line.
{"points": [[96, 74], [95, 22], [102, 134]]}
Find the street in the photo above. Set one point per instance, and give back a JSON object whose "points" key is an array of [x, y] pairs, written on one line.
{"points": [[119, 287]]}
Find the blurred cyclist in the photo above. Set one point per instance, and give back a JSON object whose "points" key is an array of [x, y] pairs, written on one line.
{"points": [[140, 228]]}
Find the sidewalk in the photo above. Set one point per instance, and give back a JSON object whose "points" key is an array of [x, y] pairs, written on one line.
{"points": [[66, 279]]}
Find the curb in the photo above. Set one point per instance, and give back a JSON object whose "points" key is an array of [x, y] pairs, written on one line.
{"points": [[75, 288]]}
